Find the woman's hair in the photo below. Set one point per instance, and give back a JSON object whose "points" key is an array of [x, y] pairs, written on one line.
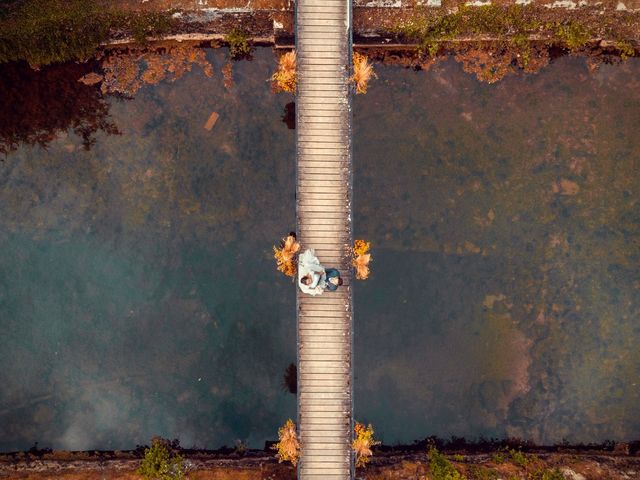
{"points": [[306, 280], [340, 281]]}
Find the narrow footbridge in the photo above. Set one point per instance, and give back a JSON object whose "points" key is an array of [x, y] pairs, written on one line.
{"points": [[323, 204]]}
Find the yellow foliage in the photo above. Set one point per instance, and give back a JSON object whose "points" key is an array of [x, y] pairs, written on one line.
{"points": [[360, 247], [362, 72], [361, 259], [286, 256], [362, 443], [285, 78], [288, 446]]}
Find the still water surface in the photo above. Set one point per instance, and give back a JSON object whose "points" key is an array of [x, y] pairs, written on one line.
{"points": [[138, 295]]}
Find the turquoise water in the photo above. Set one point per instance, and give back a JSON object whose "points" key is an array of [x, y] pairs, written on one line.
{"points": [[138, 295]]}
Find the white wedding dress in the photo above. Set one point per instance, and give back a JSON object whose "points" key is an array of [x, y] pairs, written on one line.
{"points": [[308, 263]]}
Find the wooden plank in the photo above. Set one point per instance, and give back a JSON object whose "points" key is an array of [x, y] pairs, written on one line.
{"points": [[326, 52], [313, 131], [334, 381], [310, 172], [331, 130], [319, 109], [323, 209], [317, 97], [330, 254], [332, 339], [339, 458], [311, 200], [315, 228], [321, 379], [321, 77], [314, 11], [309, 192], [326, 14], [321, 142], [310, 160], [326, 301], [334, 30], [329, 41], [318, 364], [336, 215], [311, 196], [325, 315]]}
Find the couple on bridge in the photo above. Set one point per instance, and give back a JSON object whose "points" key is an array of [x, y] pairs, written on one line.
{"points": [[313, 278]]}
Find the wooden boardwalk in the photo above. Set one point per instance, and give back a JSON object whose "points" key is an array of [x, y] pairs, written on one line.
{"points": [[323, 204]]}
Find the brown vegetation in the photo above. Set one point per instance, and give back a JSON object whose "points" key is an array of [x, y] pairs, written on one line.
{"points": [[285, 78], [488, 66], [361, 259], [362, 443], [288, 446], [126, 72], [491, 63], [362, 72], [285, 256]]}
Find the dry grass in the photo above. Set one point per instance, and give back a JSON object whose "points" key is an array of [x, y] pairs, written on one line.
{"points": [[285, 78], [362, 443], [286, 256], [361, 259], [288, 446], [362, 72]]}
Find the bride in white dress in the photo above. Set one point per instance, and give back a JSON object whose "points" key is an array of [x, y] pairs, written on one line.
{"points": [[312, 278]]}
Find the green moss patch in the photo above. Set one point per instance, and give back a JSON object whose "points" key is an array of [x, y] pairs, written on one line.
{"points": [[42, 32], [516, 26]]}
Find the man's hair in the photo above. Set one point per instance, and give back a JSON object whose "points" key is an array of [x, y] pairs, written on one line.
{"points": [[306, 279], [340, 281]]}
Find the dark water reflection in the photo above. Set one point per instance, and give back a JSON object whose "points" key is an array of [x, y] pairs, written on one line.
{"points": [[138, 295], [40, 105], [506, 227]]}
